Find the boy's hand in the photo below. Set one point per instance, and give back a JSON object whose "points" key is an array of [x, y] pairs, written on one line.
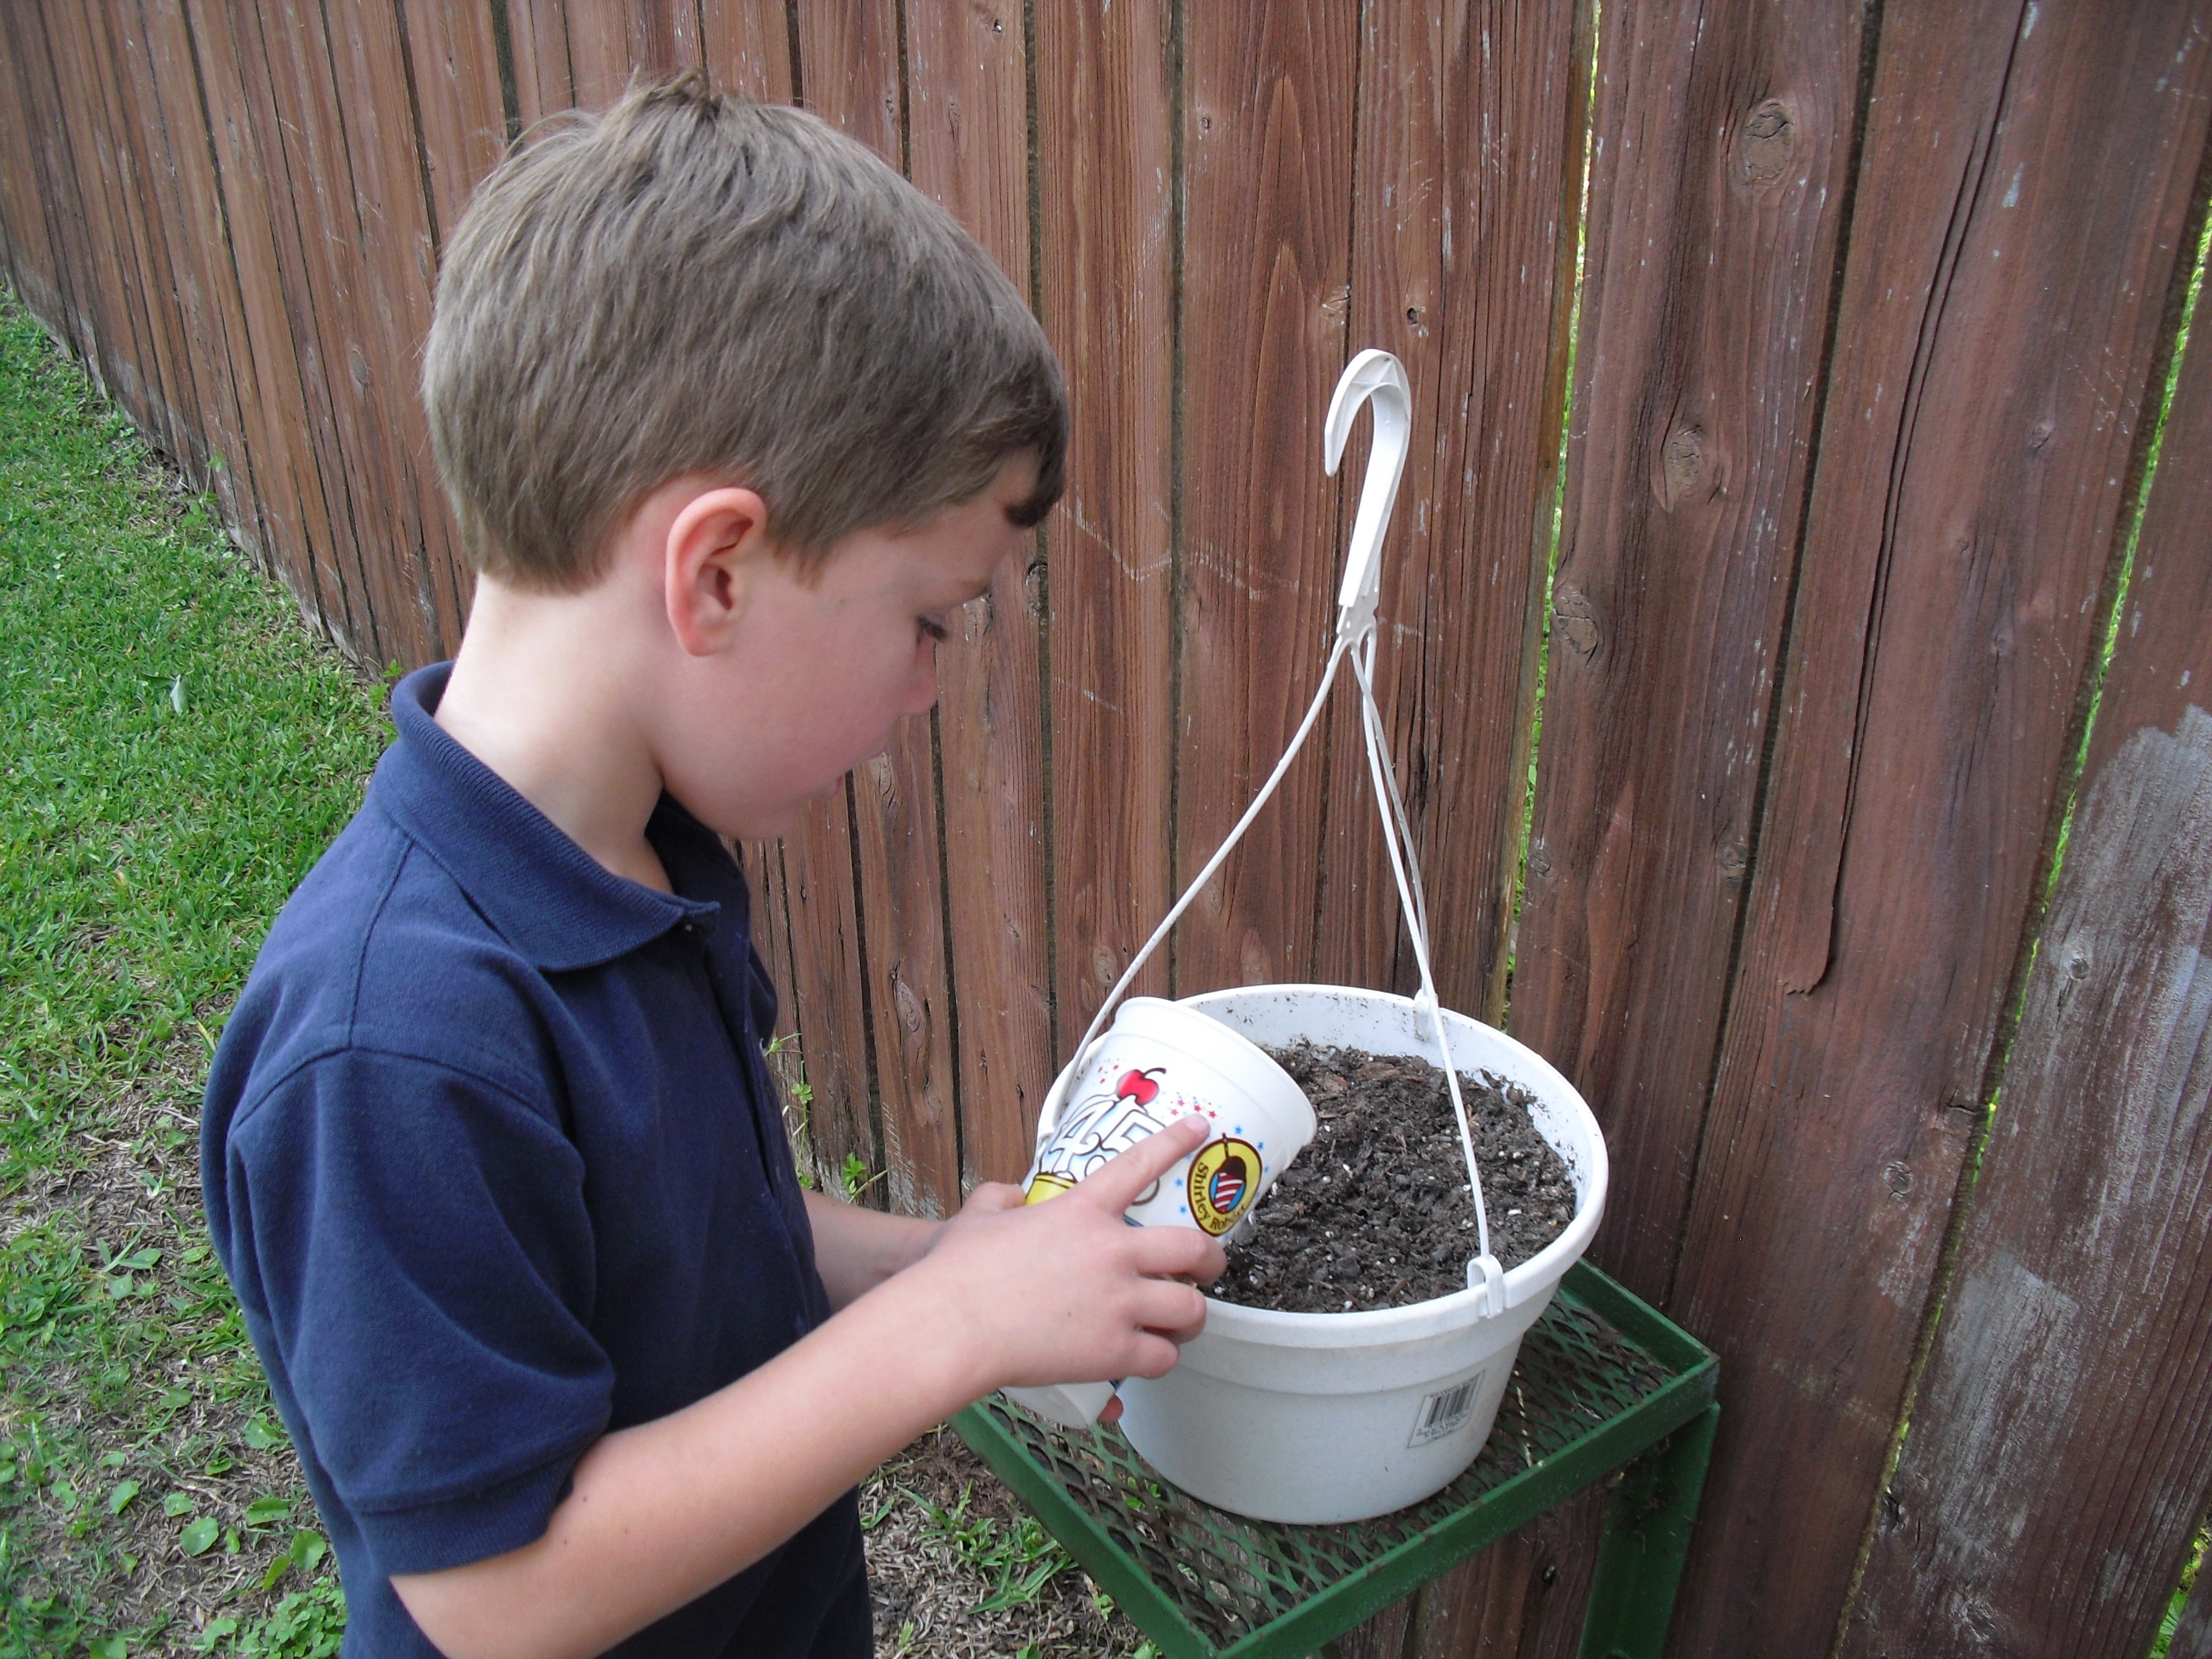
{"points": [[1067, 1291]]}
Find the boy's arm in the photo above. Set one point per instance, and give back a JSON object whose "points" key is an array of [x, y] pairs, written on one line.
{"points": [[660, 1513], [857, 1250]]}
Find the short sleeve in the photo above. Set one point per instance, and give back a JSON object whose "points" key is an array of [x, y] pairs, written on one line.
{"points": [[417, 1241]]}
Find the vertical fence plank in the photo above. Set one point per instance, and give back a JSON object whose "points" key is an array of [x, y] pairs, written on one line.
{"points": [[848, 57], [167, 391], [909, 1006], [854, 46], [1106, 240], [2192, 1636], [454, 58], [968, 133], [1724, 143], [538, 32], [207, 288], [337, 283], [75, 316], [894, 799], [745, 46], [1267, 142], [33, 266], [125, 355], [2062, 1438], [286, 87], [295, 514], [1522, 1597], [2027, 172], [395, 240], [1470, 147], [199, 407]]}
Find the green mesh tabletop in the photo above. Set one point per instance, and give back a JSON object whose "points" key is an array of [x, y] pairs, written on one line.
{"points": [[1601, 1379]]}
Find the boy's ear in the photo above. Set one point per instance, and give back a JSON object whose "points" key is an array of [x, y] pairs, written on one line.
{"points": [[717, 550]]}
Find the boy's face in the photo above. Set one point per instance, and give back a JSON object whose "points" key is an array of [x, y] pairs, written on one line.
{"points": [[819, 670]]}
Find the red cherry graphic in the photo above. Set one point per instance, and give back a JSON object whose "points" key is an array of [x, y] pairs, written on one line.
{"points": [[1139, 1086]]}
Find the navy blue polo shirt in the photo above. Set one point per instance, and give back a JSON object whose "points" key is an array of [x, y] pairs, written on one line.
{"points": [[493, 1162]]}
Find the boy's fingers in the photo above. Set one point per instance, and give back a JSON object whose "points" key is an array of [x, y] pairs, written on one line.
{"points": [[1179, 1253], [993, 1195], [1175, 1311], [1155, 1356], [1117, 1184]]}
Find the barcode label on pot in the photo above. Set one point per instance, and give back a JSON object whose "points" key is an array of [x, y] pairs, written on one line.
{"points": [[1441, 1413]]}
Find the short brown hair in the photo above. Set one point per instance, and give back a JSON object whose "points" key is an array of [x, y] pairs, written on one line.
{"points": [[697, 284]]}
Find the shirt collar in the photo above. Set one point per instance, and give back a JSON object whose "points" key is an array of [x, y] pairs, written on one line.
{"points": [[545, 896]]}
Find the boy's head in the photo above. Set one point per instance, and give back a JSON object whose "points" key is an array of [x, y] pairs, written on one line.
{"points": [[697, 286]]}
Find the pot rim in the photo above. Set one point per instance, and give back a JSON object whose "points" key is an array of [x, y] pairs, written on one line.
{"points": [[1533, 1277]]}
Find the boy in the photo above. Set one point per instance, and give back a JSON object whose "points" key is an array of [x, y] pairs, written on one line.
{"points": [[733, 420]]}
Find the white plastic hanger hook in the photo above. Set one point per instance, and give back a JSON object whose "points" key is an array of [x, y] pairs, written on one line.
{"points": [[1377, 378]]}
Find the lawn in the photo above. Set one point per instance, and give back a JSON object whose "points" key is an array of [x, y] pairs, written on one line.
{"points": [[179, 749]]}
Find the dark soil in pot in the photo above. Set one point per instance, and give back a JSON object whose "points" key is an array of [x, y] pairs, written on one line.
{"points": [[1376, 1213]]}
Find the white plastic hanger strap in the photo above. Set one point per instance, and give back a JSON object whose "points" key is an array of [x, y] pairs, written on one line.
{"points": [[1374, 379]]}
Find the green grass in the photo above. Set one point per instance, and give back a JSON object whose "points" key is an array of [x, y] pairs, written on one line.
{"points": [[178, 752]]}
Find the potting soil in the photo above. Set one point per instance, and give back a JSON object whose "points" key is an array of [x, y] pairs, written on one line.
{"points": [[1375, 1213]]}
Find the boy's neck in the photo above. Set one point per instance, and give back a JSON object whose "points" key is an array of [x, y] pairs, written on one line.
{"points": [[543, 693]]}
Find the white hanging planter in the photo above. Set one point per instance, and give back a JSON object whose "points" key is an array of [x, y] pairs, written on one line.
{"points": [[1318, 1418], [1313, 1418]]}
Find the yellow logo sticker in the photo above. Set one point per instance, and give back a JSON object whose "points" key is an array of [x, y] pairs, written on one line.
{"points": [[1223, 1175]]}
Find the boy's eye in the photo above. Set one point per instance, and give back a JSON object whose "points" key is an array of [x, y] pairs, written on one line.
{"points": [[934, 628]]}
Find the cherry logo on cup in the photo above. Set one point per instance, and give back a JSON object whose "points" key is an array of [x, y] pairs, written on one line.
{"points": [[1139, 1086], [1223, 1175]]}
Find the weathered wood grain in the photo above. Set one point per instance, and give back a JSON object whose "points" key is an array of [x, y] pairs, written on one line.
{"points": [[163, 391], [188, 374], [2192, 1636], [1464, 226], [2026, 171], [283, 58], [843, 45], [232, 431], [78, 320], [361, 243], [1722, 147], [745, 46], [396, 230], [453, 56], [1268, 137], [1382, 1637], [911, 1007], [833, 970], [828, 967], [607, 38], [538, 30], [2061, 1442], [127, 356], [1523, 1596], [295, 494], [34, 270], [1106, 191], [968, 141]]}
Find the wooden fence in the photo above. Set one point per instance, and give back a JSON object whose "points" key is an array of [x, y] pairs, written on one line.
{"points": [[1880, 308]]}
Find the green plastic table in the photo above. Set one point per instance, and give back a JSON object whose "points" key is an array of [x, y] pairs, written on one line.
{"points": [[1603, 1383]]}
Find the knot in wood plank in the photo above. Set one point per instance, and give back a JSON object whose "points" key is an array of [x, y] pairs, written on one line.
{"points": [[1764, 145]]}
